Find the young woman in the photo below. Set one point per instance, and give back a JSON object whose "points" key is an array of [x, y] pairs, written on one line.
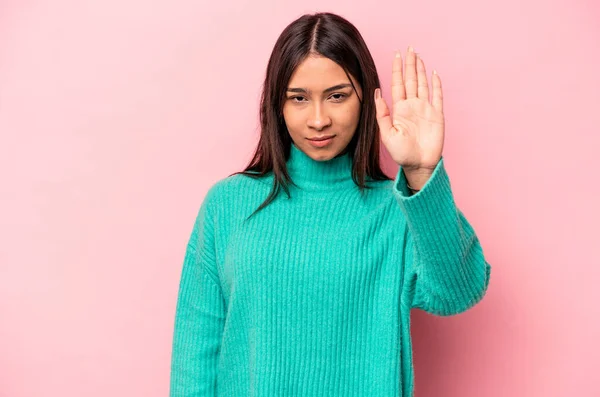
{"points": [[301, 270]]}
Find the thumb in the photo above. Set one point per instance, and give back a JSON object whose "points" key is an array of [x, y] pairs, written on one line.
{"points": [[382, 114]]}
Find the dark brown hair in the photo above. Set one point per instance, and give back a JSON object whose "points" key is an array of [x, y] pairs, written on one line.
{"points": [[333, 37]]}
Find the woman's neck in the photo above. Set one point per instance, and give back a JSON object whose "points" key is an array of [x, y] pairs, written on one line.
{"points": [[310, 174]]}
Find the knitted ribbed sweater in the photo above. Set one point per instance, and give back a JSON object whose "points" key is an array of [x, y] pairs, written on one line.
{"points": [[312, 295]]}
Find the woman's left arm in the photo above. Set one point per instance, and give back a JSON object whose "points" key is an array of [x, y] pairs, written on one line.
{"points": [[445, 261]]}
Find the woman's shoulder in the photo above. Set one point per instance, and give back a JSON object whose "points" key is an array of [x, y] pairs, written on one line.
{"points": [[379, 186], [227, 190]]}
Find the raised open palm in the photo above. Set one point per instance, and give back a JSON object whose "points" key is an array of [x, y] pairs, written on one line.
{"points": [[414, 131]]}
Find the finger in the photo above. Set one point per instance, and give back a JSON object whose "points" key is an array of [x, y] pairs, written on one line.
{"points": [[410, 74], [398, 92], [423, 86], [436, 92], [382, 113]]}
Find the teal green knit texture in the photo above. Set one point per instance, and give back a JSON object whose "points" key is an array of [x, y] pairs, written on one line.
{"points": [[312, 295]]}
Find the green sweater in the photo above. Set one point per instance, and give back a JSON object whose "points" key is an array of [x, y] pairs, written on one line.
{"points": [[312, 295]]}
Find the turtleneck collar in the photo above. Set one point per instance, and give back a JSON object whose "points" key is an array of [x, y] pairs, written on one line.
{"points": [[311, 174]]}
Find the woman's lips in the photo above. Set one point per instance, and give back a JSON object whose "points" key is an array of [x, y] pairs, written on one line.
{"points": [[321, 138], [321, 141]]}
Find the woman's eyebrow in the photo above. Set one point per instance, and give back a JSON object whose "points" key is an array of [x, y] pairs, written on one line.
{"points": [[305, 91]]}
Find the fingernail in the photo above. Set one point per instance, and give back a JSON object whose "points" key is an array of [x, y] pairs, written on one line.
{"points": [[398, 54], [411, 49], [377, 93]]}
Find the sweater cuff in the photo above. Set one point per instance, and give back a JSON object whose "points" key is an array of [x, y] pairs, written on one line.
{"points": [[434, 199]]}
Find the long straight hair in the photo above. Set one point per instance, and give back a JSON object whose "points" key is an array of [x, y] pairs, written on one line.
{"points": [[333, 37]]}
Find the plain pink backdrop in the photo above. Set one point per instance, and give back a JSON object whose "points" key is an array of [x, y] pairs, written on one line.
{"points": [[117, 116]]}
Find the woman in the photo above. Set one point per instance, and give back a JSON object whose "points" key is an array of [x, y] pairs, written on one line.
{"points": [[307, 292]]}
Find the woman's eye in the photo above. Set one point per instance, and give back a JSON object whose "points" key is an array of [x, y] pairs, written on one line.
{"points": [[335, 97]]}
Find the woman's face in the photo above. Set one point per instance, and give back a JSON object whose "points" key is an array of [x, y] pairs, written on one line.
{"points": [[320, 102]]}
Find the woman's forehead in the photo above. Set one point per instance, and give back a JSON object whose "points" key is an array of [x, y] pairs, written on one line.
{"points": [[317, 74], [318, 69]]}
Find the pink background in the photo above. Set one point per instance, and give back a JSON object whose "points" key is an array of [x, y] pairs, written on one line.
{"points": [[117, 116]]}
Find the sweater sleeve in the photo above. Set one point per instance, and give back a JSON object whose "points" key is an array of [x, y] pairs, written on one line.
{"points": [[200, 315], [444, 258]]}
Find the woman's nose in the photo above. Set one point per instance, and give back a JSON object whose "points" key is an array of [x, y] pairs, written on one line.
{"points": [[318, 118]]}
